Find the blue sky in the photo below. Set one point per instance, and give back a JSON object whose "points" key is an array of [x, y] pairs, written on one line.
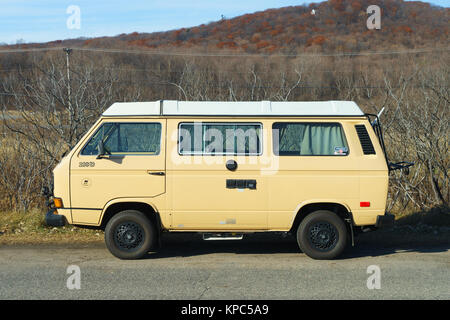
{"points": [[46, 20]]}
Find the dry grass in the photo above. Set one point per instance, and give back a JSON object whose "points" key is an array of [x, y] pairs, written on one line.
{"points": [[437, 216], [29, 228]]}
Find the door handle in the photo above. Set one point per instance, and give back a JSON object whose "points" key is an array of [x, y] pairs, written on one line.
{"points": [[159, 173], [240, 184]]}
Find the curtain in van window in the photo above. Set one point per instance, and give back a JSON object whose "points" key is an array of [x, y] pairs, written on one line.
{"points": [[309, 139], [322, 139]]}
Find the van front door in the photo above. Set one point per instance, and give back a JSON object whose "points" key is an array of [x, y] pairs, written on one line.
{"points": [[214, 175], [133, 166]]}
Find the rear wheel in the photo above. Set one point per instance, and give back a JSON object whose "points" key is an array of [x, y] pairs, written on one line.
{"points": [[130, 235], [322, 235]]}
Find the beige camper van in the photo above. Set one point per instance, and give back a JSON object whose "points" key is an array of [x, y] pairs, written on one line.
{"points": [[225, 169]]}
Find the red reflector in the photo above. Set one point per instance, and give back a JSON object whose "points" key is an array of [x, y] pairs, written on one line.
{"points": [[364, 204]]}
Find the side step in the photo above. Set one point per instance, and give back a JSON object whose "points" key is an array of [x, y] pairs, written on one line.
{"points": [[223, 236]]}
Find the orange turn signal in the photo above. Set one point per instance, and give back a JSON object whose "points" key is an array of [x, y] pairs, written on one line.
{"points": [[58, 202]]}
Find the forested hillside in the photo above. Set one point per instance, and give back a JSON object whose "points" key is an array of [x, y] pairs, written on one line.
{"points": [[333, 26]]}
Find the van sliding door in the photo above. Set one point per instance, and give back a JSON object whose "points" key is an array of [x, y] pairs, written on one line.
{"points": [[214, 177]]}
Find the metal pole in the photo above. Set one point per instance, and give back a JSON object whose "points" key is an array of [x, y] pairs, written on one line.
{"points": [[68, 51]]}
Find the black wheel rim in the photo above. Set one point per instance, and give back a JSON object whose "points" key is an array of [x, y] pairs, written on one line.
{"points": [[323, 236], [129, 236]]}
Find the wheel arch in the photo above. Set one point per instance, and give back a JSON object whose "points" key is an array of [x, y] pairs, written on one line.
{"points": [[303, 210], [147, 209]]}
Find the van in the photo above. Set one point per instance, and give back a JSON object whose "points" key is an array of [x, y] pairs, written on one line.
{"points": [[317, 170]]}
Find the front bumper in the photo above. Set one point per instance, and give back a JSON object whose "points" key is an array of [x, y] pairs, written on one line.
{"points": [[54, 220], [385, 221]]}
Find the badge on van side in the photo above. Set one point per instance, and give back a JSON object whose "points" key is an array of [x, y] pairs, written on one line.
{"points": [[89, 164]]}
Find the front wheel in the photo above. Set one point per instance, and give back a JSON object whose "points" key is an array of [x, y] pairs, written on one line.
{"points": [[130, 235], [322, 235]]}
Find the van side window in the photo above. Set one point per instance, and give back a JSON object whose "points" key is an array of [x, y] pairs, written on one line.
{"points": [[126, 138], [309, 139], [219, 138]]}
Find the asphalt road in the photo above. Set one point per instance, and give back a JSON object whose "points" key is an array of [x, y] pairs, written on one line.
{"points": [[254, 268]]}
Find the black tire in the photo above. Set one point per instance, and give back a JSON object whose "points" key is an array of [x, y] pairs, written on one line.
{"points": [[322, 235], [130, 235]]}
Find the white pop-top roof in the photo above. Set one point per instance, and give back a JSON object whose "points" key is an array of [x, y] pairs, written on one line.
{"points": [[224, 108]]}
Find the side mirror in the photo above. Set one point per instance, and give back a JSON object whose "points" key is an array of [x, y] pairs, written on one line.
{"points": [[101, 150]]}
